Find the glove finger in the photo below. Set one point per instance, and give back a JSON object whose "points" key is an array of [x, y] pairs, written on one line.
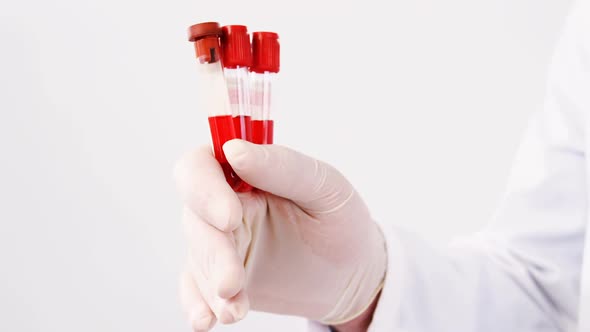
{"points": [[195, 307], [227, 311], [312, 184], [217, 268], [203, 187]]}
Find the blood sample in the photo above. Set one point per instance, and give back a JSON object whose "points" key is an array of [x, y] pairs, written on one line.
{"points": [[264, 69], [213, 95], [237, 57]]}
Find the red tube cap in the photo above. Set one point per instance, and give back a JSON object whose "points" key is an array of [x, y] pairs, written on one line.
{"points": [[266, 52], [202, 30], [206, 39], [235, 43]]}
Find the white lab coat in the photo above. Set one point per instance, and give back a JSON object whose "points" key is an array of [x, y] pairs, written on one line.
{"points": [[526, 271]]}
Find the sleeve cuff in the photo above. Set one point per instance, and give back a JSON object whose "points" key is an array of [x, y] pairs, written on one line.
{"points": [[387, 313], [316, 327]]}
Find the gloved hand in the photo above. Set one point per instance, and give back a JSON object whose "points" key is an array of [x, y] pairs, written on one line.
{"points": [[303, 244]]}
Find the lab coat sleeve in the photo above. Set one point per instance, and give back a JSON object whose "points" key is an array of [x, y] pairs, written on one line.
{"points": [[522, 272]]}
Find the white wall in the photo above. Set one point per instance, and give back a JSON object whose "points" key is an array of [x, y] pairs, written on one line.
{"points": [[96, 103]]}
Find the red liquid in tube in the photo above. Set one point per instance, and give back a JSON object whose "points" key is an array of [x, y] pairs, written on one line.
{"points": [[242, 125], [270, 131], [262, 131], [222, 130]]}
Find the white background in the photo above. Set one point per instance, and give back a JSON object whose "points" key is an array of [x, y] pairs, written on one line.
{"points": [[97, 102]]}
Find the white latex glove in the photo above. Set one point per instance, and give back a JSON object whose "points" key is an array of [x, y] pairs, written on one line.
{"points": [[304, 244]]}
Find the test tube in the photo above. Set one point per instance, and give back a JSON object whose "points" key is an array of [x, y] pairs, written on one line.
{"points": [[237, 57], [263, 71], [213, 95]]}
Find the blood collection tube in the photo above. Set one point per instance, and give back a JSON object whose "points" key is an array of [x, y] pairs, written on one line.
{"points": [[213, 95], [263, 71], [237, 57]]}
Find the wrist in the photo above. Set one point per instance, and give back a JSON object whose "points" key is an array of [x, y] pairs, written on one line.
{"points": [[361, 323]]}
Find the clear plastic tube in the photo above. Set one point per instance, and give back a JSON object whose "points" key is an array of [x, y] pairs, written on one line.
{"points": [[261, 102], [239, 99], [237, 56], [213, 95], [264, 70]]}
